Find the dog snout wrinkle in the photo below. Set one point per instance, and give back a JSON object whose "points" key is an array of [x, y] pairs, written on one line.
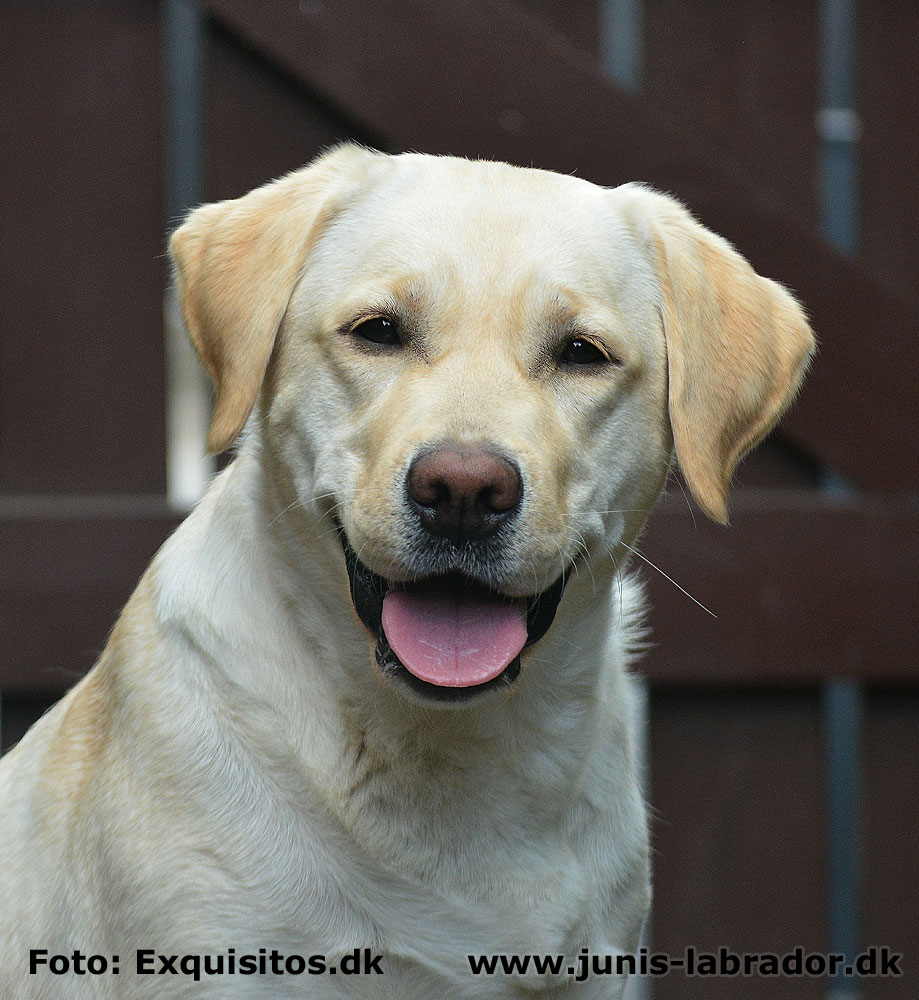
{"points": [[463, 493]]}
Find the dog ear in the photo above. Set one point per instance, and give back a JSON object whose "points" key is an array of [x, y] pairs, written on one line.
{"points": [[236, 264], [737, 345]]}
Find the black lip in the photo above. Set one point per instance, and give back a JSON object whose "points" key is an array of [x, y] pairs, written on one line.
{"points": [[367, 592]]}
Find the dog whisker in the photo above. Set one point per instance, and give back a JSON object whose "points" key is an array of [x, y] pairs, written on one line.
{"points": [[302, 503], [561, 559], [692, 513], [578, 513], [683, 590], [329, 531], [618, 582], [281, 513], [582, 547]]}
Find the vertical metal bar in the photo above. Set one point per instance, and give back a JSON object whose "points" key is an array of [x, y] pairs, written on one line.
{"points": [[838, 123], [843, 711], [842, 705], [188, 467], [842, 699], [622, 42], [183, 28]]}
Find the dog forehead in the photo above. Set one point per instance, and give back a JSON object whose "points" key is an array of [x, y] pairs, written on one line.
{"points": [[487, 224], [438, 203]]}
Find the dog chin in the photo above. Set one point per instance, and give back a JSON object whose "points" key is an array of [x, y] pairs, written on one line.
{"points": [[447, 639]]}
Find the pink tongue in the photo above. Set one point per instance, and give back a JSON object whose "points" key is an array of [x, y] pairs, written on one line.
{"points": [[451, 638]]}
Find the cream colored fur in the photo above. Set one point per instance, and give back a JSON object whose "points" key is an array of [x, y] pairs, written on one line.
{"points": [[236, 772]]}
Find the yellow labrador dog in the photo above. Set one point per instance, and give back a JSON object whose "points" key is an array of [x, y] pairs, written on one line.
{"points": [[366, 715]]}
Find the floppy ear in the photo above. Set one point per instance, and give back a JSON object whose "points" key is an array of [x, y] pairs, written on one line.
{"points": [[737, 345], [236, 265]]}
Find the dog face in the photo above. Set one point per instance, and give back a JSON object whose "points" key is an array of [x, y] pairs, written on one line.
{"points": [[478, 373]]}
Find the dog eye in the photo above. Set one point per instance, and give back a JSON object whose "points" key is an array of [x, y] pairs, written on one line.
{"points": [[578, 351], [378, 330]]}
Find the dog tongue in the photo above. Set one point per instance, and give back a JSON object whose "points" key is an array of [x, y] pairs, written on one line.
{"points": [[453, 636]]}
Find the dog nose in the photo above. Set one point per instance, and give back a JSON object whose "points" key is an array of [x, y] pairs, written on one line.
{"points": [[463, 493]]}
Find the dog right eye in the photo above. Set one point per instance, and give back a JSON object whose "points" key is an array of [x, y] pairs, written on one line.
{"points": [[378, 330]]}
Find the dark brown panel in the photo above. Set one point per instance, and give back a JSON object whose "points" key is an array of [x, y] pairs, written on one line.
{"points": [[738, 798], [64, 578], [891, 862], [260, 123], [889, 151], [737, 831], [805, 588], [742, 76], [576, 20], [81, 238], [493, 81]]}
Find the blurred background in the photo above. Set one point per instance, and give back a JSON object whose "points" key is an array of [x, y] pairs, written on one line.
{"points": [[781, 739]]}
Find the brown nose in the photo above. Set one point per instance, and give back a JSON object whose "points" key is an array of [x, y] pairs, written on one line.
{"points": [[463, 492]]}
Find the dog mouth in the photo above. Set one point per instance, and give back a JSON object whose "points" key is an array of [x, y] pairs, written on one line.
{"points": [[448, 637]]}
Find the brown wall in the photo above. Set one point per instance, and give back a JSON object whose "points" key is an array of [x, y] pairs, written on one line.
{"points": [[81, 239], [736, 769]]}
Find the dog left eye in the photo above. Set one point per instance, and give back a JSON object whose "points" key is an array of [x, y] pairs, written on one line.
{"points": [[378, 330], [579, 351]]}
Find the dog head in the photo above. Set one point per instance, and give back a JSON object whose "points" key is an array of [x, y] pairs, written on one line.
{"points": [[479, 373]]}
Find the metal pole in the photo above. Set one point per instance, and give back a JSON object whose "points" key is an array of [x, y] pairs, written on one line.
{"points": [[188, 395], [622, 42], [838, 123], [183, 30], [843, 711], [842, 699]]}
